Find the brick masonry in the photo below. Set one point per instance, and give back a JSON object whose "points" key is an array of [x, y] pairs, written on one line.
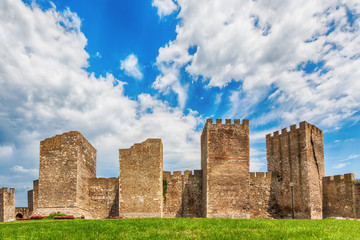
{"points": [[341, 196], [296, 156], [104, 197], [141, 180], [7, 204], [260, 189], [183, 194], [67, 161], [225, 163], [224, 187]]}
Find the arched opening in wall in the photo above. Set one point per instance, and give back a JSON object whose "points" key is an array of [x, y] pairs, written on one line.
{"points": [[19, 215]]}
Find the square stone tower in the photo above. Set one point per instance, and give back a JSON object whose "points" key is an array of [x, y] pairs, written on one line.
{"points": [[296, 156], [225, 169], [67, 162], [141, 180], [7, 204]]}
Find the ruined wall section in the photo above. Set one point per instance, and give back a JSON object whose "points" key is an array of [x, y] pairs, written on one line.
{"points": [[225, 166], [341, 196], [141, 180], [104, 197], [67, 162], [32, 197], [296, 156], [7, 204], [260, 183], [183, 194]]}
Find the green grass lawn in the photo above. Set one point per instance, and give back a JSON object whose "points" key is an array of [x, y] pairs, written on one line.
{"points": [[181, 228]]}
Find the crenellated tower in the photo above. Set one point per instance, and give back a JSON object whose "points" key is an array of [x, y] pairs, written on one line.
{"points": [[297, 157], [225, 169]]}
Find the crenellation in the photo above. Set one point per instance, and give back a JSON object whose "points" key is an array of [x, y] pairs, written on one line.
{"points": [[341, 196], [338, 178], [349, 177], [260, 175]]}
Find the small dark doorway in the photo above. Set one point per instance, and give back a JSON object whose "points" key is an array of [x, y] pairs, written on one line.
{"points": [[19, 215]]}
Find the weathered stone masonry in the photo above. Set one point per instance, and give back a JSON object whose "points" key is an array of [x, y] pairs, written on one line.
{"points": [[141, 180], [225, 160], [224, 187], [296, 156], [7, 204]]}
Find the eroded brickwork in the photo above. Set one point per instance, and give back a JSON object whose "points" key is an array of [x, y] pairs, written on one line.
{"points": [[7, 204], [183, 194], [104, 197], [260, 183], [141, 180], [225, 165], [341, 196], [298, 157]]}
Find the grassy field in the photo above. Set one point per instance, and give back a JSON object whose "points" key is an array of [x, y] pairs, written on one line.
{"points": [[181, 229]]}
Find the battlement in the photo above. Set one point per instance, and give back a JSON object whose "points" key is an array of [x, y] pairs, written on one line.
{"points": [[349, 177], [245, 122], [260, 175], [5, 191], [187, 173], [302, 126], [57, 140]]}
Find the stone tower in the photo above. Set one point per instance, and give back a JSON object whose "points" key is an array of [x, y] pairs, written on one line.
{"points": [[296, 156], [225, 169], [7, 204], [67, 163], [141, 180]]}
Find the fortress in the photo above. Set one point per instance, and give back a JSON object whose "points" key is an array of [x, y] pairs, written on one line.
{"points": [[293, 187]]}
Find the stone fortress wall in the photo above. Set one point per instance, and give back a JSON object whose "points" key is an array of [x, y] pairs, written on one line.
{"points": [[182, 194], [224, 187], [341, 196]]}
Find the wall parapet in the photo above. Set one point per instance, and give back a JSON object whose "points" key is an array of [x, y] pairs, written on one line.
{"points": [[260, 175], [349, 177], [245, 122], [293, 128], [189, 173]]}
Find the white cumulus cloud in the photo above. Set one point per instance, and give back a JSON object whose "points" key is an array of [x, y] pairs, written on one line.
{"points": [[131, 67], [299, 57], [164, 7]]}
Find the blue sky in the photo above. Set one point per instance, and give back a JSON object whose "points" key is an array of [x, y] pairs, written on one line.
{"points": [[123, 71]]}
